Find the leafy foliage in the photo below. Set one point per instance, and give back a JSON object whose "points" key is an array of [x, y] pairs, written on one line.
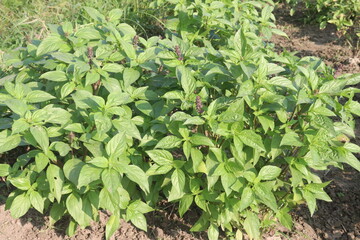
{"points": [[344, 14], [208, 117]]}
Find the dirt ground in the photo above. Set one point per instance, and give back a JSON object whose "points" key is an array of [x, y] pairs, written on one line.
{"points": [[339, 219]]}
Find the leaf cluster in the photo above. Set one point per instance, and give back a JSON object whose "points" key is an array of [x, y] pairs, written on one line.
{"points": [[209, 117]]}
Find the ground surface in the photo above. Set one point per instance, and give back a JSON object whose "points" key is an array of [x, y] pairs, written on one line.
{"points": [[337, 220]]}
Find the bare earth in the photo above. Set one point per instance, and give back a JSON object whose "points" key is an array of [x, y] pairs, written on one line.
{"points": [[339, 219]]}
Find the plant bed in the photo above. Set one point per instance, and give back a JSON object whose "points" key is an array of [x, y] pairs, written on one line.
{"points": [[209, 118]]}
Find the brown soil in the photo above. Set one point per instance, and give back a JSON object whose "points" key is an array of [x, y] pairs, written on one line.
{"points": [[339, 219]]}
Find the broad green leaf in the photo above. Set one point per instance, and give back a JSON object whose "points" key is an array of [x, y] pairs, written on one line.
{"points": [[291, 139], [352, 147], [139, 220], [282, 82], [169, 142], [40, 135], [269, 172], [116, 145], [310, 200], [285, 218], [95, 14], [137, 175], [89, 33], [111, 179], [252, 225], [178, 181], [56, 212], [9, 143], [350, 159], [17, 106], [194, 121], [88, 174], [20, 125], [161, 157], [76, 209], [49, 44], [22, 183], [41, 161], [250, 138], [4, 169], [130, 76], [145, 107], [185, 203], [186, 79], [113, 67], [112, 225], [37, 201], [20, 205], [266, 195], [56, 179], [103, 123], [71, 229], [55, 76], [199, 139], [37, 96], [247, 198], [117, 99], [72, 169], [213, 232]]}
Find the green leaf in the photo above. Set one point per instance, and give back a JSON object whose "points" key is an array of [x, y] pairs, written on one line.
{"points": [[17, 106], [352, 147], [213, 232], [56, 212], [116, 145], [88, 174], [103, 123], [20, 125], [56, 179], [186, 79], [72, 169], [100, 162], [247, 198], [282, 82], [139, 220], [137, 175], [40, 135], [194, 121], [169, 142], [291, 139], [41, 161], [89, 33], [117, 99], [310, 200], [178, 181], [71, 229], [145, 107], [76, 209], [37, 96], [20, 205], [269, 172], [49, 44], [285, 218], [161, 157], [252, 225], [199, 139], [250, 138], [350, 159], [266, 195], [185, 203], [95, 14], [37, 201], [4, 169], [111, 179], [113, 67], [9, 143], [112, 225], [130, 76], [22, 183], [55, 76]]}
